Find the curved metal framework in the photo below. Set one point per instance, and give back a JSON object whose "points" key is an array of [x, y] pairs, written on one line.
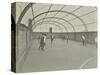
{"points": [[53, 11], [57, 21], [52, 22], [86, 29], [24, 12], [49, 24]]}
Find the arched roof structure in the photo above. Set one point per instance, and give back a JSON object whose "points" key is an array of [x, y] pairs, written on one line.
{"points": [[72, 18]]}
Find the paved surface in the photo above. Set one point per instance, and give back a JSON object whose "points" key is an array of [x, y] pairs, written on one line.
{"points": [[60, 56]]}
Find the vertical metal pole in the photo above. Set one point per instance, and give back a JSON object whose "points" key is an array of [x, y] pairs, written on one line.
{"points": [[26, 39]]}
